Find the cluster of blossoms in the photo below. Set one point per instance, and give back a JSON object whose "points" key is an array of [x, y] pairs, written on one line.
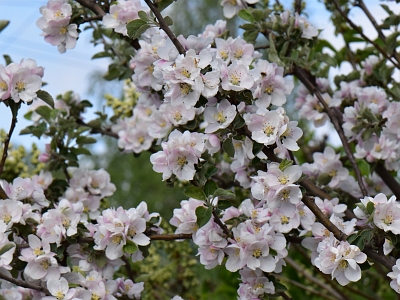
{"points": [[121, 13], [69, 219], [20, 82], [55, 23]]}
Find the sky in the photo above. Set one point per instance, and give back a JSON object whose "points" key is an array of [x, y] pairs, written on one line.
{"points": [[71, 70]]}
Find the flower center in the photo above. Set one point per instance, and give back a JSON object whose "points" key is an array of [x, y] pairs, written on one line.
{"points": [[185, 88], [285, 194], [177, 116], [220, 117], [224, 54], [20, 86], [343, 264], [181, 161], [132, 231], [235, 79], [269, 130], [388, 220], [186, 73], [257, 253], [3, 85], [116, 239], [269, 90], [63, 30], [283, 179], [58, 14], [333, 173], [37, 251], [285, 220], [238, 53]]}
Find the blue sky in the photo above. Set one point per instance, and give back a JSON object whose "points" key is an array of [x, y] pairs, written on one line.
{"points": [[21, 39]]}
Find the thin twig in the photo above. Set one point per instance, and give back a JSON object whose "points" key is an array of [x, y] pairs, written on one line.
{"points": [[359, 30], [301, 270], [304, 78], [25, 284], [306, 288], [321, 217], [7, 142], [222, 225], [164, 26], [388, 179]]}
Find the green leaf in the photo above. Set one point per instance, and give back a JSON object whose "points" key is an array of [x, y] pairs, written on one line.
{"points": [[250, 36], [286, 163], [46, 97], [142, 15], [211, 171], [324, 179], [224, 194], [238, 122], [210, 187], [257, 147], [100, 260], [85, 140], [130, 247], [228, 147], [258, 15], [163, 4], [3, 24], [370, 207], [101, 55], [168, 20], [140, 30], [6, 248], [203, 215], [245, 14], [7, 58], [45, 112], [279, 287], [272, 53], [78, 151], [195, 192], [133, 26]]}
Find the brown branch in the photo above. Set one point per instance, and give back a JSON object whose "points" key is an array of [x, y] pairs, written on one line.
{"points": [[164, 26], [220, 224], [388, 179], [318, 282], [3, 194], [170, 237], [305, 79], [7, 142], [383, 260], [25, 284], [297, 6], [93, 6], [355, 27], [306, 288], [321, 217]]}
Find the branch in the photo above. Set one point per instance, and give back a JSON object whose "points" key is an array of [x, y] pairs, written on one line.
{"points": [[355, 27], [7, 142], [301, 270], [306, 288], [222, 225], [383, 260], [93, 6], [388, 179], [164, 26], [297, 6], [305, 79], [25, 284], [309, 202]]}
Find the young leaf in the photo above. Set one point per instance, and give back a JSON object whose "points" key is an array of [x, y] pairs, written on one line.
{"points": [[6, 248], [46, 97], [228, 147], [224, 194], [246, 15], [195, 192], [130, 247], [203, 215], [210, 187]]}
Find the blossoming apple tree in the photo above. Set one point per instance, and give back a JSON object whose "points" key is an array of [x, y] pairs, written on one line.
{"points": [[211, 108]]}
